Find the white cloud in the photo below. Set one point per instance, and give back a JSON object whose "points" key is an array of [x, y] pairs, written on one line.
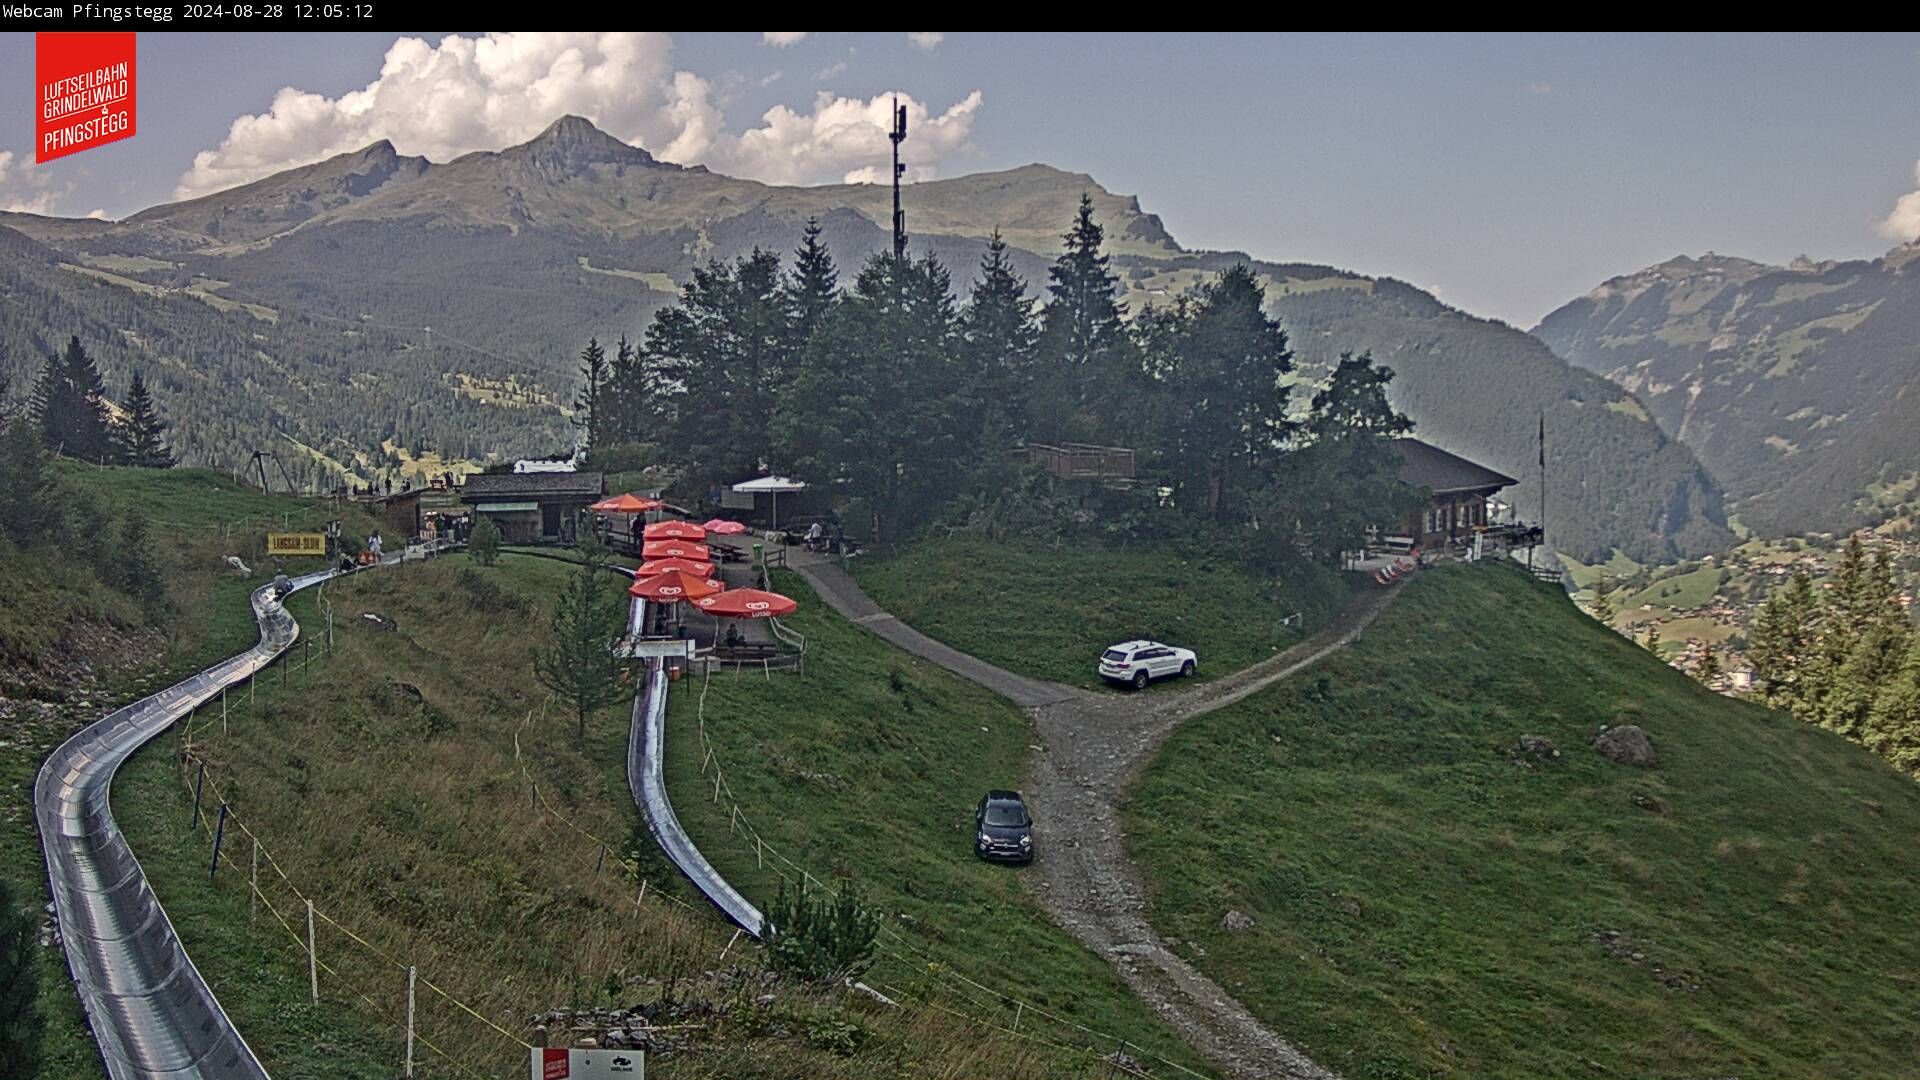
{"points": [[845, 138], [465, 94], [780, 40], [1904, 223], [926, 39], [831, 71], [98, 214], [27, 189]]}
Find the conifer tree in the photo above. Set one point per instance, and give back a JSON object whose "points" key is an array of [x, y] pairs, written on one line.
{"points": [[810, 287], [1892, 728], [1000, 330], [1229, 418], [483, 543], [1780, 643], [1603, 601], [1083, 335], [587, 414], [30, 507], [578, 663], [144, 433], [1342, 475], [1709, 668], [133, 564], [69, 406]]}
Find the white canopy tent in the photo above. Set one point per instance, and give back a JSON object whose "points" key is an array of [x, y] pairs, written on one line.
{"points": [[772, 485]]}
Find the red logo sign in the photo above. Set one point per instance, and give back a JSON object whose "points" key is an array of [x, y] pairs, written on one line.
{"points": [[84, 92], [553, 1063]]}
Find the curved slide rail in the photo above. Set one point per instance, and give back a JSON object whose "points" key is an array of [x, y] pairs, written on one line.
{"points": [[646, 765], [646, 778], [153, 1015]]}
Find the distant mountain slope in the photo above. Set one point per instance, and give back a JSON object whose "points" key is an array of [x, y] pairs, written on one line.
{"points": [[1799, 386], [514, 257]]}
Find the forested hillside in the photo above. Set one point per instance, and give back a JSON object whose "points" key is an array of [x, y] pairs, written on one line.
{"points": [[323, 394]]}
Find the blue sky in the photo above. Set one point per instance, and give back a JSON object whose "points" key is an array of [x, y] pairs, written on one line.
{"points": [[1507, 173]]}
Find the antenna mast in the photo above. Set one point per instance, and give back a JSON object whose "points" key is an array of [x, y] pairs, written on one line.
{"points": [[898, 135]]}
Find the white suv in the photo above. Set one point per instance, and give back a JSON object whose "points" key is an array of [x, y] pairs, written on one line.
{"points": [[1137, 662]]}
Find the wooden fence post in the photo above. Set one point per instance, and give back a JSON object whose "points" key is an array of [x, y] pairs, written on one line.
{"points": [[313, 960], [412, 973], [219, 834]]}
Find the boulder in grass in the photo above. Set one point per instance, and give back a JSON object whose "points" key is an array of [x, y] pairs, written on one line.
{"points": [[1626, 744]]}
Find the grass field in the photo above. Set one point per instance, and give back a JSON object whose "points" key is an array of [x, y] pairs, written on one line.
{"points": [[1425, 906], [384, 785], [1049, 611], [1677, 592], [866, 769]]}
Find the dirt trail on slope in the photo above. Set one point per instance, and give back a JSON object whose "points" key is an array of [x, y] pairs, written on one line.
{"points": [[1092, 747]]}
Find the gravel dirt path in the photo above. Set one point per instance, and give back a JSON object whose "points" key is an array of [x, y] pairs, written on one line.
{"points": [[1092, 747]]}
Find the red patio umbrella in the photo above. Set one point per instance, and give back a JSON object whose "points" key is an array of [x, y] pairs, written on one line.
{"points": [[675, 549], [674, 530], [675, 586], [661, 566], [626, 504], [724, 527], [747, 604]]}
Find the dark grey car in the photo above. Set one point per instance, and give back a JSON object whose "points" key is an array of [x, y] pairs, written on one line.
{"points": [[1002, 828]]}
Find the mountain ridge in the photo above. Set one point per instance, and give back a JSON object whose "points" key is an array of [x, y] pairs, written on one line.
{"points": [[1792, 383], [531, 249]]}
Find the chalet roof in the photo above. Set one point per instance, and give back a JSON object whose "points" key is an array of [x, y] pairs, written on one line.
{"points": [[534, 485], [1426, 465]]}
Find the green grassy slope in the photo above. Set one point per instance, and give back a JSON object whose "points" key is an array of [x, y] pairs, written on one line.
{"points": [[867, 768], [50, 595], [1049, 611], [386, 787], [1425, 906]]}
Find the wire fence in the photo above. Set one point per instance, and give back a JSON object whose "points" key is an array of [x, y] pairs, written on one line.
{"points": [[200, 774], [202, 784]]}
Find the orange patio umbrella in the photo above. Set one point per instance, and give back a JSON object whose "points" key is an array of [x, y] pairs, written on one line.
{"points": [[675, 586], [626, 504], [747, 604], [674, 530], [675, 549], [661, 566]]}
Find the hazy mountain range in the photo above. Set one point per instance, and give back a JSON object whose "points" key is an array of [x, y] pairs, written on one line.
{"points": [[295, 308], [1798, 386]]}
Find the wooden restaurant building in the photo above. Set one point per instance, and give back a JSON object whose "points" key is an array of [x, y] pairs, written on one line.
{"points": [[533, 507], [1457, 489]]}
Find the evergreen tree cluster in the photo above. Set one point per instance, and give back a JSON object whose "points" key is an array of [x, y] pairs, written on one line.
{"points": [[1846, 658], [70, 410], [908, 405]]}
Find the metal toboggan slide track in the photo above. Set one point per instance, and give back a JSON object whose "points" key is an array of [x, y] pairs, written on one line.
{"points": [[153, 1015]]}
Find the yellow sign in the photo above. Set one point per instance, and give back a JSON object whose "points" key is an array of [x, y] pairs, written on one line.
{"points": [[297, 544]]}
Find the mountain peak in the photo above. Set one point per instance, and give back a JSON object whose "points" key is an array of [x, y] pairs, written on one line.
{"points": [[572, 144], [1900, 257]]}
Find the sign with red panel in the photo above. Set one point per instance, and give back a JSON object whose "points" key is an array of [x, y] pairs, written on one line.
{"points": [[83, 92], [561, 1063]]}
